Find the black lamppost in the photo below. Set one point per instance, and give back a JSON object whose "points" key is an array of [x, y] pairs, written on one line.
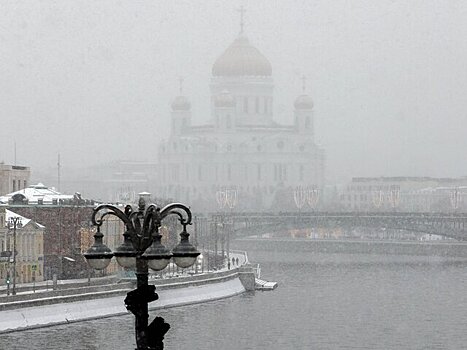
{"points": [[142, 248], [14, 222]]}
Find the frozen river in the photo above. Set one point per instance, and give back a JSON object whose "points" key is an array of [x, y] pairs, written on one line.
{"points": [[325, 300]]}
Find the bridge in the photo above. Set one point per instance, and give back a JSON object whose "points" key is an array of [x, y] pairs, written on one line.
{"points": [[449, 225]]}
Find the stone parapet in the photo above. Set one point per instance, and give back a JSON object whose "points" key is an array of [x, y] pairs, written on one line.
{"points": [[247, 277]]}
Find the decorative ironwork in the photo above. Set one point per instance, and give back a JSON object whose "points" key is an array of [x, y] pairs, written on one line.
{"points": [[142, 248]]}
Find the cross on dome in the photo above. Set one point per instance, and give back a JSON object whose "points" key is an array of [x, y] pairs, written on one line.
{"points": [[180, 82], [304, 101], [242, 11]]}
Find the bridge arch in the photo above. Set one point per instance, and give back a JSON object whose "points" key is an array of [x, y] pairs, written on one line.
{"points": [[451, 225]]}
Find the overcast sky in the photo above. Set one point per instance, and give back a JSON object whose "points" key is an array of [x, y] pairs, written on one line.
{"points": [[94, 80]]}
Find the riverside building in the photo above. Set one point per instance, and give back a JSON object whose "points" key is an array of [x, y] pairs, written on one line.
{"points": [[29, 249], [63, 217], [405, 193], [241, 147]]}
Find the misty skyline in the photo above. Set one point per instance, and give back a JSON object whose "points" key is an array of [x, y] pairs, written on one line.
{"points": [[94, 81]]}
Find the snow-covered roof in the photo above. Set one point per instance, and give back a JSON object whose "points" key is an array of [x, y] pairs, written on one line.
{"points": [[34, 193], [24, 221]]}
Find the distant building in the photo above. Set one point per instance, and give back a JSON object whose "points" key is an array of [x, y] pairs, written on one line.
{"points": [[13, 178], [112, 229], [422, 194], [242, 147], [36, 194], [118, 181], [29, 248], [63, 216]]}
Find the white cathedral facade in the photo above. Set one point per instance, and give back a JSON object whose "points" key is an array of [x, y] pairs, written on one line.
{"points": [[241, 148]]}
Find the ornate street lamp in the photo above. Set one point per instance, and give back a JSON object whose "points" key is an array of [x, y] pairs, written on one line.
{"points": [[14, 222], [142, 248]]}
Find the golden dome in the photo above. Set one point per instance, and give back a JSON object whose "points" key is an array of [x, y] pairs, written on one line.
{"points": [[181, 103], [242, 59], [303, 102]]}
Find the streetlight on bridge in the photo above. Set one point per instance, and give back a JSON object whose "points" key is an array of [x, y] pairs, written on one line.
{"points": [[313, 197], [378, 198], [303, 195], [142, 248], [226, 198], [299, 196], [455, 198], [394, 196]]}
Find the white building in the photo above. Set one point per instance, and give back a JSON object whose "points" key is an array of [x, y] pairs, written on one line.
{"points": [[241, 147], [405, 193]]}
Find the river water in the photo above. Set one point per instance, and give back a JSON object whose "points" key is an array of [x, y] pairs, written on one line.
{"points": [[325, 300]]}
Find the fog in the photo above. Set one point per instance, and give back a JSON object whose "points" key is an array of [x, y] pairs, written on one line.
{"points": [[93, 81]]}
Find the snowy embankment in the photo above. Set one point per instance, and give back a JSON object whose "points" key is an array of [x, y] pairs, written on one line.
{"points": [[175, 294]]}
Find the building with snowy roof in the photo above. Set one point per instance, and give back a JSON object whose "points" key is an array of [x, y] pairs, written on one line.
{"points": [[41, 195], [64, 216]]}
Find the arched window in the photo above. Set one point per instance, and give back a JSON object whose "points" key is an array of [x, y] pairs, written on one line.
{"points": [[245, 105], [307, 122], [228, 122]]}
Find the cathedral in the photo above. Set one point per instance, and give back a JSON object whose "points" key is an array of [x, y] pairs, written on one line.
{"points": [[241, 150]]}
